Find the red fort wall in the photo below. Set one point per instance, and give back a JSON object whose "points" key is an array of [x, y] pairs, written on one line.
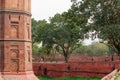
{"points": [[85, 68]]}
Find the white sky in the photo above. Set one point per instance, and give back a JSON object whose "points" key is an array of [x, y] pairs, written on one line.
{"points": [[43, 9]]}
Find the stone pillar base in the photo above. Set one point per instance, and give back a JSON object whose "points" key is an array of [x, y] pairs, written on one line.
{"points": [[18, 77]]}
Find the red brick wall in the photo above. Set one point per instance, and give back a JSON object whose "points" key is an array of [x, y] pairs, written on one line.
{"points": [[84, 68]]}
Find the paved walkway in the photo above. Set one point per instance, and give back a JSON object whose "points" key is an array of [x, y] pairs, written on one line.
{"points": [[115, 75]]}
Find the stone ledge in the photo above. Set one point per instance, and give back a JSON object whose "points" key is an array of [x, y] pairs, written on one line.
{"points": [[28, 76], [19, 40], [18, 77], [15, 11]]}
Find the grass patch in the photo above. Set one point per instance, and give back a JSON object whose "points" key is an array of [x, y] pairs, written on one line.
{"points": [[70, 78]]}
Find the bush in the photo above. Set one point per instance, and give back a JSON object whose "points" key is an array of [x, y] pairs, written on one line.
{"points": [[95, 49]]}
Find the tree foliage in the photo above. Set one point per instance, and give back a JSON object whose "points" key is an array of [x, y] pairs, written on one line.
{"points": [[104, 19], [66, 30], [95, 49], [60, 35], [34, 30]]}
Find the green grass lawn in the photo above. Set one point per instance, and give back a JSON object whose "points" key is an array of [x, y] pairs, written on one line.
{"points": [[71, 78]]}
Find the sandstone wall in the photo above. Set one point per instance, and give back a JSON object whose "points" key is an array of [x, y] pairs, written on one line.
{"points": [[87, 67]]}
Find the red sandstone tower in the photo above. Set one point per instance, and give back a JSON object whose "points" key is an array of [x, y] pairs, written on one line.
{"points": [[15, 40]]}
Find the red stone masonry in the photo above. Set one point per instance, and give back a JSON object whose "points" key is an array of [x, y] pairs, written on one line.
{"points": [[78, 67], [15, 40]]}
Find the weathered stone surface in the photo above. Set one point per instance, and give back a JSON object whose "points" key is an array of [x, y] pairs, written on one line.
{"points": [[20, 77], [111, 76], [15, 40], [73, 69]]}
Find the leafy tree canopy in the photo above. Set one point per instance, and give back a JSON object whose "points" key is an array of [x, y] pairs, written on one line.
{"points": [[104, 19], [61, 34]]}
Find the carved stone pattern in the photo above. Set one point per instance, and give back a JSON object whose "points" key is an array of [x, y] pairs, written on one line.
{"points": [[27, 27], [14, 65], [14, 54], [14, 31], [14, 17], [14, 58], [14, 47], [14, 51], [28, 53], [28, 32], [28, 47]]}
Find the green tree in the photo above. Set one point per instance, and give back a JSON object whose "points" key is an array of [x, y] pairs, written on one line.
{"points": [[34, 30], [60, 35], [104, 19], [36, 26], [95, 49], [107, 22]]}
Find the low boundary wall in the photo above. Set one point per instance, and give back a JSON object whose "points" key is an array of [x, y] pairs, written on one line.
{"points": [[84, 68]]}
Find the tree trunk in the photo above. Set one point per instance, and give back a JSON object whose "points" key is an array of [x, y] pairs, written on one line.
{"points": [[66, 57], [118, 52]]}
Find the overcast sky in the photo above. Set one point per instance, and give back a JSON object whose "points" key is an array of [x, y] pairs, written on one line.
{"points": [[43, 9]]}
